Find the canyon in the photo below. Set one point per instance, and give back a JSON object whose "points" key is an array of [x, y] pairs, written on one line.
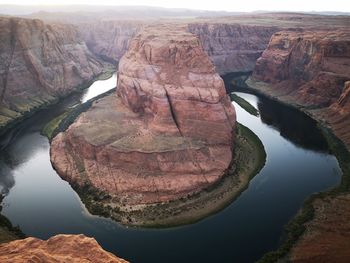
{"points": [[64, 53], [309, 69], [171, 107], [40, 63]]}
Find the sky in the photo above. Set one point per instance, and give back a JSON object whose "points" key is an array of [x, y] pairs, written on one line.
{"points": [[226, 5]]}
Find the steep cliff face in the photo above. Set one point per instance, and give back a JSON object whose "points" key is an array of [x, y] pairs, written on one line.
{"points": [[60, 248], [233, 47], [109, 39], [311, 69], [311, 66], [39, 63], [338, 114], [169, 133]]}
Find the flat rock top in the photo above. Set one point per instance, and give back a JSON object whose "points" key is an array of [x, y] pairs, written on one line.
{"points": [[60, 248], [316, 35], [122, 129]]}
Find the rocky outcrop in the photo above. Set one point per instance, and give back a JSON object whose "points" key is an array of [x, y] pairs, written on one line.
{"points": [[338, 114], [233, 47], [60, 248], [309, 69], [167, 134], [109, 39], [38, 64], [327, 236]]}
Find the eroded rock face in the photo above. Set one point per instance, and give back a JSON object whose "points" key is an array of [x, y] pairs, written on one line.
{"points": [[167, 134], [312, 66], [311, 69], [233, 47], [38, 64], [110, 39], [338, 115], [60, 248]]}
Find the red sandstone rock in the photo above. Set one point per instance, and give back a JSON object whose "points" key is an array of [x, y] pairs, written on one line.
{"points": [[167, 134], [40, 63], [311, 68], [60, 248], [327, 236], [233, 47], [338, 115]]}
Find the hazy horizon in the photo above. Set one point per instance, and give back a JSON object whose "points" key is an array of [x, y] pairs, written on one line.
{"points": [[218, 5]]}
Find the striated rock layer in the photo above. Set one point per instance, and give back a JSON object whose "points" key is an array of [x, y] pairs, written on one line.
{"points": [[167, 134], [310, 69], [109, 39], [233, 47], [60, 248], [38, 64], [233, 43]]}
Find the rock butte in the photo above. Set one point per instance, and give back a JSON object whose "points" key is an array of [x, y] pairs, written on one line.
{"points": [[169, 131], [60, 248]]}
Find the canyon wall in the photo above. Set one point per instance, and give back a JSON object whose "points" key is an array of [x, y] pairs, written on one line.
{"points": [[310, 69], [312, 66], [109, 40], [168, 133], [40, 63], [60, 248], [233, 47]]}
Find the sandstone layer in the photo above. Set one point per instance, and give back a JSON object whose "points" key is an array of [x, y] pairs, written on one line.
{"points": [[309, 69], [233, 43], [40, 63], [167, 134], [60, 248], [233, 47]]}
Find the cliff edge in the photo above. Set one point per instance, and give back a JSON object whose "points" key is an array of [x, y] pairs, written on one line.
{"points": [[60, 248]]}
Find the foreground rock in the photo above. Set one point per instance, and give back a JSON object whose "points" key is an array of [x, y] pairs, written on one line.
{"points": [[168, 133], [60, 248], [40, 63], [310, 69]]}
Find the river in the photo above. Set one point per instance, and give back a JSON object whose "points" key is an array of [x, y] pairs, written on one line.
{"points": [[298, 164]]}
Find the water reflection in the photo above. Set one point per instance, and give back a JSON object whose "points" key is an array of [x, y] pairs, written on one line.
{"points": [[293, 125], [22, 143]]}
